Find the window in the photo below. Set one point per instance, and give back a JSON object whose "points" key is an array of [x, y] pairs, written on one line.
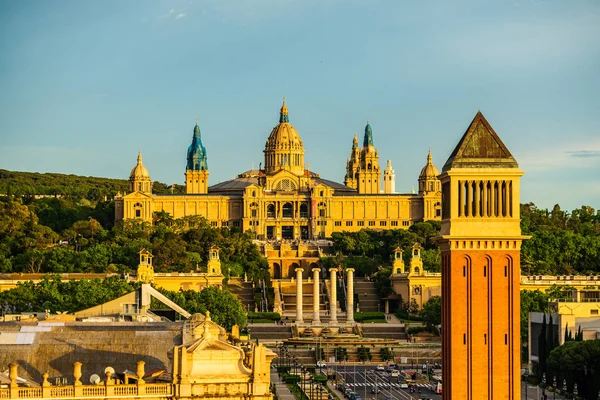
{"points": [[236, 224], [394, 223], [213, 223], [382, 223], [138, 213], [405, 223], [253, 213], [303, 211], [271, 211], [348, 223], [594, 312], [321, 212], [321, 193], [338, 223], [287, 211], [371, 223], [360, 223]]}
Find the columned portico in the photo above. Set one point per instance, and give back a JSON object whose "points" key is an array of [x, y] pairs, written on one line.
{"points": [[316, 294], [299, 295], [333, 302], [350, 295]]}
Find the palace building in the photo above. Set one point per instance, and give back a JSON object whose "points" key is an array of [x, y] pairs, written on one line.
{"points": [[284, 199]]}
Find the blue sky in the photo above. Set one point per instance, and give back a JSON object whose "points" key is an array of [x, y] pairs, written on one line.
{"points": [[84, 84]]}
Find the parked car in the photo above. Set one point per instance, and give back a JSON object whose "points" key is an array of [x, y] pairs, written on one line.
{"points": [[395, 373], [404, 385], [374, 389], [321, 364], [380, 367], [347, 393]]}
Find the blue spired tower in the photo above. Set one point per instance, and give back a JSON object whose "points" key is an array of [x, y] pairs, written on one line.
{"points": [[196, 172]]}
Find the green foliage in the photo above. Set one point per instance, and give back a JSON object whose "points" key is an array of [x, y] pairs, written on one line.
{"points": [[341, 354], [225, 308], [386, 354], [578, 362], [78, 238], [431, 314], [416, 329], [364, 354], [54, 294], [364, 316], [273, 316]]}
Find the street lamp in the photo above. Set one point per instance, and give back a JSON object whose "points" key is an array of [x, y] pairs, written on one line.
{"points": [[544, 384], [565, 386], [554, 386], [526, 375], [575, 391]]}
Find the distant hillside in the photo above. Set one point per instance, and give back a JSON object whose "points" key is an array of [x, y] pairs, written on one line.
{"points": [[74, 186]]}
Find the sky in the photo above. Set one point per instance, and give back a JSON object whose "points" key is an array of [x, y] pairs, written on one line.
{"points": [[85, 84]]}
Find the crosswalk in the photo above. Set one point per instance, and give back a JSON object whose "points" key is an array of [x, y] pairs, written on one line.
{"points": [[387, 385]]}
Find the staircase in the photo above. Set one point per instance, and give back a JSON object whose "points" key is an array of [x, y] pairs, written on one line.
{"points": [[368, 299], [244, 292], [288, 294], [388, 331], [270, 332]]}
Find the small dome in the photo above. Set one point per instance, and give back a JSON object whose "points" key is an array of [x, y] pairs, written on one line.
{"points": [[139, 171], [429, 171], [284, 136]]}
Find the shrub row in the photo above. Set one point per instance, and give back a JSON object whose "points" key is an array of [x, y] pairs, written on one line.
{"points": [[273, 316]]}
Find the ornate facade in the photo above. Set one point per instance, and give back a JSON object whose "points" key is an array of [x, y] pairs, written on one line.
{"points": [[284, 199]]}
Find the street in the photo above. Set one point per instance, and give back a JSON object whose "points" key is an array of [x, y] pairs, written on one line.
{"points": [[362, 379]]}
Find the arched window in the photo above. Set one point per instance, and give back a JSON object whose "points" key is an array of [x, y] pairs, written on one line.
{"points": [[285, 185], [303, 210], [287, 210], [271, 211]]}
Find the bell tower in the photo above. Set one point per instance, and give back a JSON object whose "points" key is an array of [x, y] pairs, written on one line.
{"points": [[369, 173], [480, 240], [196, 173]]}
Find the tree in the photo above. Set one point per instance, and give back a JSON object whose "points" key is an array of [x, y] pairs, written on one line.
{"points": [[432, 313]]}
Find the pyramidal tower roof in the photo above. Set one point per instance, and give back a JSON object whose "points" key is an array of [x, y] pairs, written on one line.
{"points": [[480, 147]]}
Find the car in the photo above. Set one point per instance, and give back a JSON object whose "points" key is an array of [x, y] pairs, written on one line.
{"points": [[348, 392], [374, 389], [380, 367], [395, 373], [321, 364], [404, 385]]}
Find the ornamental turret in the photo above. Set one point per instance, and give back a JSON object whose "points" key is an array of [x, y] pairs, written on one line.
{"points": [[428, 178], [284, 149], [353, 165], [139, 178], [369, 172], [389, 179], [196, 174]]}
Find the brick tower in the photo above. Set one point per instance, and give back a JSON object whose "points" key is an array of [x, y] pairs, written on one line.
{"points": [[480, 241]]}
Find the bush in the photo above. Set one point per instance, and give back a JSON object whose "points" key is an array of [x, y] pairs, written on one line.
{"points": [[404, 315], [416, 329], [291, 379], [264, 315], [363, 316]]}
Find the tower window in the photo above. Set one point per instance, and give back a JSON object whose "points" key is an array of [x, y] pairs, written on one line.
{"points": [[138, 213]]}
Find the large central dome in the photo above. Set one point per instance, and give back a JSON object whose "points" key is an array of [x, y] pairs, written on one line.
{"points": [[284, 148]]}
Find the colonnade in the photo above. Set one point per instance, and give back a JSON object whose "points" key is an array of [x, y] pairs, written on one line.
{"points": [[333, 292]]}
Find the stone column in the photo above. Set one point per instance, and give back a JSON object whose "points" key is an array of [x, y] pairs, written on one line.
{"points": [[299, 295], [387, 306], [350, 294], [333, 302], [316, 293]]}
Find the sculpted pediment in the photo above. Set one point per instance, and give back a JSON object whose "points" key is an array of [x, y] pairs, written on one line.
{"points": [[137, 196]]}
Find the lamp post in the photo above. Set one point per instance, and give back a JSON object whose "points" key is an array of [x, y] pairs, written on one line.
{"points": [[554, 386], [544, 384], [526, 375], [564, 386], [575, 391]]}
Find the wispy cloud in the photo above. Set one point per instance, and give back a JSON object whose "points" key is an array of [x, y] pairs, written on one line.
{"points": [[584, 153], [580, 153], [174, 14]]}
